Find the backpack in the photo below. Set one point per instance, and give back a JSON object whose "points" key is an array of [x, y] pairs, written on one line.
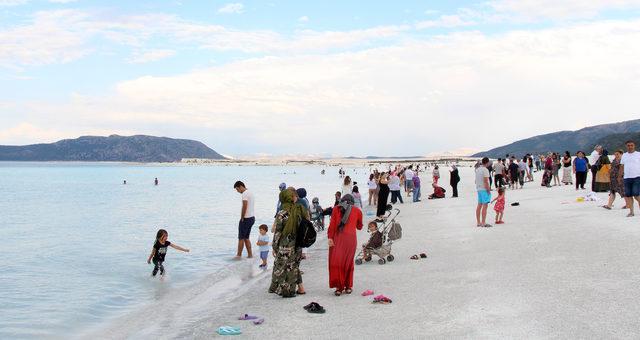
{"points": [[395, 232], [306, 234]]}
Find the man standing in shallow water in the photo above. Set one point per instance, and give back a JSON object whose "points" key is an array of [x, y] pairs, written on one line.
{"points": [[247, 219]]}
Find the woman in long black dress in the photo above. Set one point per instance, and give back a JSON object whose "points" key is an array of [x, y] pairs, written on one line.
{"points": [[455, 178], [383, 195]]}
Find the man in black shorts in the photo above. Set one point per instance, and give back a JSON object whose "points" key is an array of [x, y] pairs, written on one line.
{"points": [[247, 219]]}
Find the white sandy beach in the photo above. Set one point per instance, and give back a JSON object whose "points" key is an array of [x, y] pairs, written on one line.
{"points": [[556, 269]]}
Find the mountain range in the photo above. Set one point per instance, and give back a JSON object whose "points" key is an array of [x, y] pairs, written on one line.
{"points": [[608, 135], [114, 148]]}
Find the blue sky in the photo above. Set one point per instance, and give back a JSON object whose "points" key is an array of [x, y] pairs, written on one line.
{"points": [[236, 74]]}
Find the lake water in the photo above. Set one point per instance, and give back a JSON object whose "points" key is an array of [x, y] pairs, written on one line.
{"points": [[76, 240]]}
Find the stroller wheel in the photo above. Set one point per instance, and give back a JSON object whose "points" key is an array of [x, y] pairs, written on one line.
{"points": [[368, 258], [390, 258], [358, 261], [382, 261]]}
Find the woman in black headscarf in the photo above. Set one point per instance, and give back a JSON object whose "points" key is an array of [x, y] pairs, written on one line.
{"points": [[383, 195], [455, 179]]}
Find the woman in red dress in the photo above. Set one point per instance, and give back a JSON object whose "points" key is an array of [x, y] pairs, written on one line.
{"points": [[345, 219]]}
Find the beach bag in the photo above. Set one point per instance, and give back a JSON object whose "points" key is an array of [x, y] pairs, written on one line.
{"points": [[395, 232], [306, 234]]}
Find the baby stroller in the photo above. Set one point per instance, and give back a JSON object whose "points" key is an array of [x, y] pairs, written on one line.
{"points": [[317, 216], [391, 231]]}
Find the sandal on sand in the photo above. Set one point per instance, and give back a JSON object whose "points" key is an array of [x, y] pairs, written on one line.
{"points": [[310, 305], [348, 291], [247, 317], [316, 309], [630, 215], [606, 207], [415, 257], [301, 293], [367, 292], [258, 322], [381, 299], [337, 293], [228, 330], [487, 225]]}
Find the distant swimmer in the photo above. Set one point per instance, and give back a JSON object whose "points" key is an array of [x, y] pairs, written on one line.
{"points": [[322, 172], [156, 181], [124, 182]]}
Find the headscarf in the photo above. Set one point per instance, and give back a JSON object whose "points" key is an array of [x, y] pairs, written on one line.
{"points": [[302, 192], [294, 210], [346, 203]]}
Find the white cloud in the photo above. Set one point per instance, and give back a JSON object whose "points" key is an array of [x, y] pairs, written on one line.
{"points": [[150, 56], [447, 92], [11, 3], [445, 21], [52, 37], [533, 10], [62, 36], [303, 18], [236, 8]]}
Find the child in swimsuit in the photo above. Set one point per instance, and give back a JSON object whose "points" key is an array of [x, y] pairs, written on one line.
{"points": [[160, 250]]}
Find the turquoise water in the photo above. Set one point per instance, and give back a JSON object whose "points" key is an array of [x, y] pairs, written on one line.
{"points": [[76, 239]]}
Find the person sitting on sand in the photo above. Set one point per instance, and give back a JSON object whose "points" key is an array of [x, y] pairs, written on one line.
{"points": [[159, 250], [438, 192]]}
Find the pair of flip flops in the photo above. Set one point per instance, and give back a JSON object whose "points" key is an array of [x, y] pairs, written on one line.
{"points": [[515, 204], [256, 320], [314, 308], [367, 292], [419, 256], [381, 299], [228, 330]]}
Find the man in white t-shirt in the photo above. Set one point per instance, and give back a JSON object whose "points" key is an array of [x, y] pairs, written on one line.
{"points": [[630, 164], [484, 193], [408, 175], [247, 219]]}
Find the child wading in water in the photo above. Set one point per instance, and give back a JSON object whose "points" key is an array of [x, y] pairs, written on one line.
{"points": [[499, 207], [263, 243], [160, 250]]}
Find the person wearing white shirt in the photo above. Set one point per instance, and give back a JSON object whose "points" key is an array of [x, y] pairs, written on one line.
{"points": [[394, 188], [408, 180], [631, 167], [247, 219], [593, 159]]}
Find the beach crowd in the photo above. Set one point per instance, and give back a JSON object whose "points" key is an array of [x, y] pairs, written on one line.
{"points": [[296, 220]]}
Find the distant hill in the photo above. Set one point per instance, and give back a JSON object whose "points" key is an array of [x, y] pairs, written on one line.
{"points": [[583, 139], [113, 148], [617, 141]]}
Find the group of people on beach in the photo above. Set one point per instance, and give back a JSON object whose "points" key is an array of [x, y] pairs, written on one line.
{"points": [[620, 176]]}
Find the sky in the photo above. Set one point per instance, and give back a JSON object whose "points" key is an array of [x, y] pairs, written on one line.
{"points": [[343, 78]]}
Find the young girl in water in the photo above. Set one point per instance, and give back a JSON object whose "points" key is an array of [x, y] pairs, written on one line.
{"points": [[499, 207], [160, 250]]}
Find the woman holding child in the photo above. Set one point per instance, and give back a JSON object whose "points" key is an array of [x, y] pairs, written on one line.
{"points": [[345, 219], [286, 275]]}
